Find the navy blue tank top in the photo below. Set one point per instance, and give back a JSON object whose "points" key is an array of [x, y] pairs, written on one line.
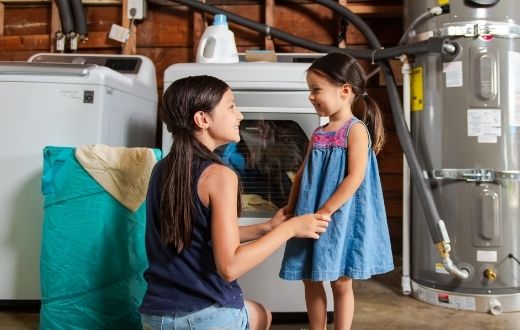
{"points": [[189, 281]]}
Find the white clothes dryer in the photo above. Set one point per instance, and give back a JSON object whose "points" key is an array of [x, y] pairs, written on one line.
{"points": [[60, 100]]}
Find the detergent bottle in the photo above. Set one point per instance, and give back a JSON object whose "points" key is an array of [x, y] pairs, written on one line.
{"points": [[217, 44]]}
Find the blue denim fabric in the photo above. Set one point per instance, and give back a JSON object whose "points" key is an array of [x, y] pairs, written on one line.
{"points": [[209, 318], [356, 243]]}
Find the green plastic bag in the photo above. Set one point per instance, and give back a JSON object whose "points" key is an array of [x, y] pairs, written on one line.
{"points": [[92, 254]]}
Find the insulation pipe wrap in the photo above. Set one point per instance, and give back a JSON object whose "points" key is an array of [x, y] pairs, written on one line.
{"points": [[66, 18], [80, 20]]}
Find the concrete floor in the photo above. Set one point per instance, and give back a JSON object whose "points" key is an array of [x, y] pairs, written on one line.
{"points": [[379, 305]]}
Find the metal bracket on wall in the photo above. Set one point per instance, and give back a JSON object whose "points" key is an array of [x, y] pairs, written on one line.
{"points": [[472, 175]]}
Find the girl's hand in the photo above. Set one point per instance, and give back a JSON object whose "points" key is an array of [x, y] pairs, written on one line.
{"points": [[278, 218], [286, 212], [309, 225], [324, 212]]}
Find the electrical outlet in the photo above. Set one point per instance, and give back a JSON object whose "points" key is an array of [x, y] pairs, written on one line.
{"points": [[136, 9]]}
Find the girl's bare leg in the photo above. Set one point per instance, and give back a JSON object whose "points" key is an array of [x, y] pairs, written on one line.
{"points": [[343, 303], [316, 301]]}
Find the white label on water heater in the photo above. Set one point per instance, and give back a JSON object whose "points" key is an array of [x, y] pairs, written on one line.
{"points": [[453, 71], [514, 88], [486, 124], [447, 300], [486, 256]]}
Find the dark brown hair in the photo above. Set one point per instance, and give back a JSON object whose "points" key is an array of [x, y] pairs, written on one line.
{"points": [[181, 100], [341, 68]]}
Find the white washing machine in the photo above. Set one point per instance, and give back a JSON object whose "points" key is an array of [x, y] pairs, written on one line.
{"points": [[278, 121], [60, 100]]}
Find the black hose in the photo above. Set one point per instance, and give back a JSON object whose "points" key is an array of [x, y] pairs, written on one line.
{"points": [[434, 45], [378, 54], [420, 183], [80, 20], [67, 21]]}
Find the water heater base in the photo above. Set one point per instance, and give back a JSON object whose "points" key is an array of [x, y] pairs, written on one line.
{"points": [[494, 304]]}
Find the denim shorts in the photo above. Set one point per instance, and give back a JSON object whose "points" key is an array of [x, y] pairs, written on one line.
{"points": [[213, 317]]}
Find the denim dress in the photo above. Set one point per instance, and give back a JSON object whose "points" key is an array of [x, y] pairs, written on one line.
{"points": [[356, 243]]}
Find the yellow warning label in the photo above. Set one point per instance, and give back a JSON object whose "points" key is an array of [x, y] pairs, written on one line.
{"points": [[439, 268], [443, 2], [417, 89]]}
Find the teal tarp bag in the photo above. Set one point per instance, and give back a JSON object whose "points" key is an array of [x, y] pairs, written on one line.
{"points": [[92, 254]]}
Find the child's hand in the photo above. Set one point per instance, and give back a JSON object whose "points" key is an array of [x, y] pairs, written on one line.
{"points": [[278, 218], [324, 212], [309, 225], [286, 211]]}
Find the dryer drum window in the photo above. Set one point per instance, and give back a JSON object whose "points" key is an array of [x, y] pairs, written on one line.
{"points": [[266, 158]]}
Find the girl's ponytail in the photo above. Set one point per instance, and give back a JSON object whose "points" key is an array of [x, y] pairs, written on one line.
{"points": [[176, 199], [181, 101], [373, 118]]}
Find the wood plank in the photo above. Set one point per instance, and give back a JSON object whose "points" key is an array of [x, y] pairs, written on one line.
{"points": [[20, 43], [172, 25], [199, 25], [392, 183], [85, 2], [164, 57], [269, 21], [40, 42], [394, 9], [343, 43], [130, 46], [2, 13], [99, 39], [55, 26], [27, 20]]}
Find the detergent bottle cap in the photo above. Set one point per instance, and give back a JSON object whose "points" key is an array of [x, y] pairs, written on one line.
{"points": [[220, 19]]}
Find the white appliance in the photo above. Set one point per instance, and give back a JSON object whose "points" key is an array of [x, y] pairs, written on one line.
{"points": [[278, 121], [84, 99]]}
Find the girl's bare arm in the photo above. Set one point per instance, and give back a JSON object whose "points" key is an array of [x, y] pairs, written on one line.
{"points": [[232, 259]]}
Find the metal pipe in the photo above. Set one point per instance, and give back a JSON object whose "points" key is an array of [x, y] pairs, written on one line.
{"points": [[405, 277]]}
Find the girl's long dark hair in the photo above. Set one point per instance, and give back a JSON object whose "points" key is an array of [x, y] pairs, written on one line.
{"points": [[341, 68], [182, 99]]}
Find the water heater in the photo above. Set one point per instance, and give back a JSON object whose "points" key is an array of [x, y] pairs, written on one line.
{"points": [[465, 124]]}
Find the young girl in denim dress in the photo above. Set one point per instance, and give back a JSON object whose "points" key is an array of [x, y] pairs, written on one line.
{"points": [[340, 178]]}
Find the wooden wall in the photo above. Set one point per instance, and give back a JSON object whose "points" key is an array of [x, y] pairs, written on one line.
{"points": [[170, 32]]}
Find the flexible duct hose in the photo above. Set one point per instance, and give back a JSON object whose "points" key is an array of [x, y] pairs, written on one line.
{"points": [[80, 20], [66, 18]]}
